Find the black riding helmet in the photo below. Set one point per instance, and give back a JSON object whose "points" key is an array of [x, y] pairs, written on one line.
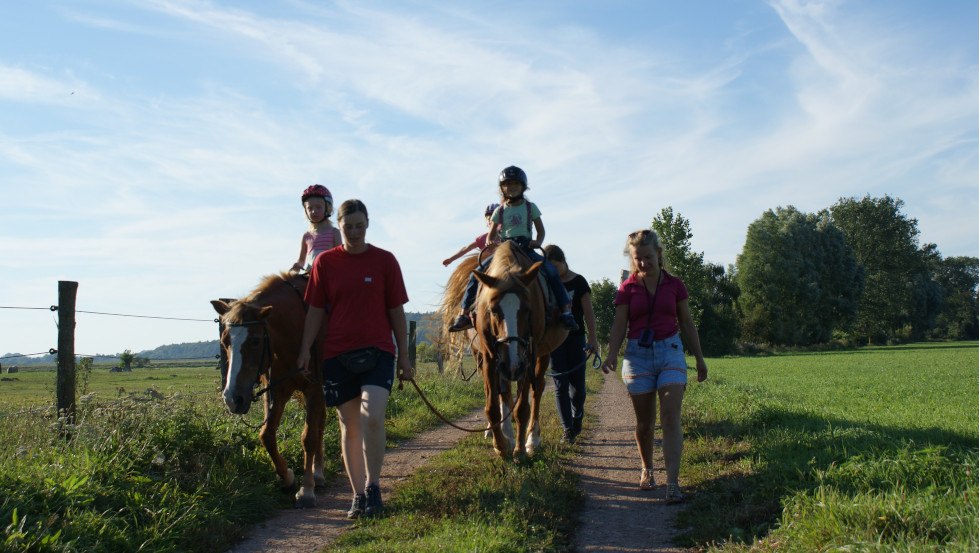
{"points": [[514, 173]]}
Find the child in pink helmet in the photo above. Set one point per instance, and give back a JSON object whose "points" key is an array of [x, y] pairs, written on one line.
{"points": [[322, 236]]}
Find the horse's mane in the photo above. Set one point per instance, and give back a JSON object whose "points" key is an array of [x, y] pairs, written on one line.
{"points": [[238, 307], [505, 261], [452, 344]]}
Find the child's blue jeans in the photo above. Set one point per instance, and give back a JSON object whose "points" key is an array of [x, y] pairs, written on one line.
{"points": [[551, 274]]}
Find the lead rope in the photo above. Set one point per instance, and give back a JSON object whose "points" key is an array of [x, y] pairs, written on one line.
{"points": [[401, 382]]}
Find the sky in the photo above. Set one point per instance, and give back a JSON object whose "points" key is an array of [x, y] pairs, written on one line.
{"points": [[154, 151]]}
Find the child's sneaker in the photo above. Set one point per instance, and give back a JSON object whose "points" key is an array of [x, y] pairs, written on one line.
{"points": [[568, 321], [462, 322]]}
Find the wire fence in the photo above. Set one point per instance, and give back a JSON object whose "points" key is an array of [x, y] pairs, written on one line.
{"points": [[54, 351]]}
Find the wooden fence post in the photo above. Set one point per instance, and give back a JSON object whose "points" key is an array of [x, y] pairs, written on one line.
{"points": [[67, 291], [411, 343]]}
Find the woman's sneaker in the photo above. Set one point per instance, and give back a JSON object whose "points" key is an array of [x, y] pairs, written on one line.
{"points": [[673, 494], [373, 505], [357, 506]]}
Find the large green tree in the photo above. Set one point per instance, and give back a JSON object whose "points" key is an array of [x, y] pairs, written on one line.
{"points": [[958, 278], [896, 294], [798, 279]]}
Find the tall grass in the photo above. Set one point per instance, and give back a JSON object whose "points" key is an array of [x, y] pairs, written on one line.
{"points": [[173, 475], [871, 449]]}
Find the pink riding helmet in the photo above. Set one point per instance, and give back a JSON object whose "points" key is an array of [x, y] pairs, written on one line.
{"points": [[317, 190]]}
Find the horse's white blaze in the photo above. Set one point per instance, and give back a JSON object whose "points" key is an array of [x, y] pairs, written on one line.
{"points": [[507, 426], [509, 305], [238, 335]]}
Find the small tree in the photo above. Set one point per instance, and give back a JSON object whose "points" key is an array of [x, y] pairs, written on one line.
{"points": [[603, 295], [126, 360]]}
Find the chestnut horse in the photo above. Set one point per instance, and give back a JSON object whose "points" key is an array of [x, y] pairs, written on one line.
{"points": [[515, 335], [261, 338]]}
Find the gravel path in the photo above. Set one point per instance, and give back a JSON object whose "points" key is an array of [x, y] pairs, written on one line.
{"points": [[617, 516]]}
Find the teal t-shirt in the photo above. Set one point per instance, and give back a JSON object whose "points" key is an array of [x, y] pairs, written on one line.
{"points": [[513, 220]]}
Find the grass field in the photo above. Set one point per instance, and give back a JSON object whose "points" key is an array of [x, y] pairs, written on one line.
{"points": [[870, 449]]}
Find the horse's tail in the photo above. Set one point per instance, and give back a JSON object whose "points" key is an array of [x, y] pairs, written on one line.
{"points": [[453, 344]]}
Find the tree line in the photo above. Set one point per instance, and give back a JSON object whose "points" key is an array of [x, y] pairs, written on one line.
{"points": [[853, 273]]}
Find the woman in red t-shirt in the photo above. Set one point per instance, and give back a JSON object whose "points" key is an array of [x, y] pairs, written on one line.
{"points": [[356, 298], [651, 306]]}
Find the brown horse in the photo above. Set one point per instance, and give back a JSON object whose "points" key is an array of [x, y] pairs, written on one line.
{"points": [[515, 335], [261, 338]]}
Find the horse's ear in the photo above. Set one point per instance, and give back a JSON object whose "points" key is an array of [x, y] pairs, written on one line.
{"points": [[486, 279], [220, 306], [264, 311], [531, 273]]}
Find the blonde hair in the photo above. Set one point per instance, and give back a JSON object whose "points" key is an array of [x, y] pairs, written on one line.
{"points": [[644, 237]]}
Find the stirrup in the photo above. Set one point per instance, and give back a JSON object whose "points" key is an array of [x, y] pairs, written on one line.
{"points": [[568, 321]]}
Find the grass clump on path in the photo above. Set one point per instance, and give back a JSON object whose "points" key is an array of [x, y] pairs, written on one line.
{"points": [[468, 499]]}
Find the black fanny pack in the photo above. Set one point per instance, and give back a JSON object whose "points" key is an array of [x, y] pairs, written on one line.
{"points": [[360, 360]]}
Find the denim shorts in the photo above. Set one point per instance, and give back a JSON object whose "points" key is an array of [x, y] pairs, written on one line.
{"points": [[341, 386], [652, 368]]}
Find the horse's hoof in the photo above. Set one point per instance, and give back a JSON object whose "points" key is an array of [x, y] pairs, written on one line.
{"points": [[305, 501], [319, 481]]}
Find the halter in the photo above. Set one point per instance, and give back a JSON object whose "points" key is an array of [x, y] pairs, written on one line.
{"points": [[264, 367]]}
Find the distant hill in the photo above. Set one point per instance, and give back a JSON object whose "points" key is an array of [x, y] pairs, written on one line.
{"points": [[426, 328]]}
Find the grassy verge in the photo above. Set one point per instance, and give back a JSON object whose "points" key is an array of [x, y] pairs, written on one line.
{"points": [[870, 449], [178, 474]]}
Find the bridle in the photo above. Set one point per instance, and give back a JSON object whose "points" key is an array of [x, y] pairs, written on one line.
{"points": [[265, 359]]}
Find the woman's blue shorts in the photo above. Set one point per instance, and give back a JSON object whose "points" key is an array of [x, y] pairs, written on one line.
{"points": [[652, 368]]}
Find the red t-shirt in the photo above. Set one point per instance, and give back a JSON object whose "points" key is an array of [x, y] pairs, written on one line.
{"points": [[663, 320], [357, 290]]}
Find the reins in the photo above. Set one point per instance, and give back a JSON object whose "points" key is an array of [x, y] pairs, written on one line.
{"points": [[596, 363]]}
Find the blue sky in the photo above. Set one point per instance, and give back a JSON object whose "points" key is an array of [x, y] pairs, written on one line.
{"points": [[154, 151]]}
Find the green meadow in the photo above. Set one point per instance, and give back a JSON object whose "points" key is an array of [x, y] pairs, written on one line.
{"points": [[868, 449]]}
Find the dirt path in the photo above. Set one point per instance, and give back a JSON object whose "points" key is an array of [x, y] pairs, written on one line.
{"points": [[617, 516], [308, 530]]}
